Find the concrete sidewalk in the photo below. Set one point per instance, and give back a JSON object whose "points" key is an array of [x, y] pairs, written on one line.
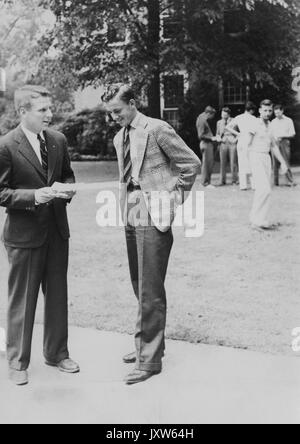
{"points": [[200, 385]]}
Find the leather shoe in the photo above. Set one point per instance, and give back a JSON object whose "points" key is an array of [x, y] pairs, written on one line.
{"points": [[138, 376], [18, 377], [66, 366], [130, 359]]}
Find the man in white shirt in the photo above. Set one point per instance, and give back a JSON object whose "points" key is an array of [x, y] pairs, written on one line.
{"points": [[240, 128], [284, 131], [261, 143]]}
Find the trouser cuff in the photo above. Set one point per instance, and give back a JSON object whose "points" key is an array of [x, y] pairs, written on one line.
{"points": [[149, 367]]}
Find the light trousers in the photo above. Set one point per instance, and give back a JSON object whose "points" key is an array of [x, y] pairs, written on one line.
{"points": [[228, 151], [285, 149], [261, 166], [244, 166]]}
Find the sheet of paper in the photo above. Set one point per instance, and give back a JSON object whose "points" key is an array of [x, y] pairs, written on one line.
{"points": [[75, 187]]}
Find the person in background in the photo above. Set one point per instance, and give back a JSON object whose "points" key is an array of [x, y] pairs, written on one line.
{"points": [[284, 131], [239, 127], [228, 148], [261, 143], [207, 139]]}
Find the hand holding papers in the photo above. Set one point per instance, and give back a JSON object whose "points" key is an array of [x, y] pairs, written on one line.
{"points": [[58, 187]]}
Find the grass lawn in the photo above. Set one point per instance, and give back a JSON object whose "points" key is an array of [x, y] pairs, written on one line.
{"points": [[232, 287]]}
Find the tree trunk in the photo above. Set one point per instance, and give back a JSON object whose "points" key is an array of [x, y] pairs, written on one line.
{"points": [[153, 49]]}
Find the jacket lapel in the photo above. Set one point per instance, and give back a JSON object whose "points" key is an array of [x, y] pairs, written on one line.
{"points": [[142, 140], [27, 151], [120, 152], [52, 154]]}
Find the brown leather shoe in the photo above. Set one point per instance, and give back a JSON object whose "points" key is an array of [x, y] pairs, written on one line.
{"points": [[65, 366], [130, 359], [18, 377], [138, 376]]}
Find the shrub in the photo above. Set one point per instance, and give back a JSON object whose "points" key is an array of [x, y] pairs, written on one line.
{"points": [[8, 117], [89, 133]]}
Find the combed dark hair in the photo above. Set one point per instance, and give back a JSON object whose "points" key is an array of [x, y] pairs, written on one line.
{"points": [[280, 107], [266, 102], [250, 106], [25, 95], [124, 91], [227, 110], [210, 110]]}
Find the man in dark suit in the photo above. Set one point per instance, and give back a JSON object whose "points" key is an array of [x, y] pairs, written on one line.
{"points": [[153, 161], [36, 232]]}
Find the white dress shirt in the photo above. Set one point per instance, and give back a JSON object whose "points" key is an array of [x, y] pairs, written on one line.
{"points": [[263, 139], [245, 123], [283, 128], [34, 142]]}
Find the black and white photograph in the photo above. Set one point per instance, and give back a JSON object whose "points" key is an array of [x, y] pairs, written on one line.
{"points": [[149, 214]]}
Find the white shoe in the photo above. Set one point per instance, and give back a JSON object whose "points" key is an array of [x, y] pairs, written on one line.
{"points": [[2, 341], [210, 187]]}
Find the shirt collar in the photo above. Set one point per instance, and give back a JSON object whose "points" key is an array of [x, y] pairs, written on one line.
{"points": [[134, 124], [263, 123], [30, 134]]}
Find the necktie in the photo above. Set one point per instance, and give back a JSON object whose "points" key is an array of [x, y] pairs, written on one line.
{"points": [[44, 153], [127, 157]]}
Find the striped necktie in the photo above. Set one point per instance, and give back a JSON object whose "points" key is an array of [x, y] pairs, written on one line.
{"points": [[44, 153], [127, 157]]}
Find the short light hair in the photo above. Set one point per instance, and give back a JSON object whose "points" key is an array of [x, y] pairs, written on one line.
{"points": [[25, 95], [124, 91], [210, 110], [266, 102]]}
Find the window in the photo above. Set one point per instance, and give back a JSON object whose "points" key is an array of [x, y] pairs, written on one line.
{"points": [[173, 91], [171, 28], [172, 117], [235, 93], [116, 34], [235, 22]]}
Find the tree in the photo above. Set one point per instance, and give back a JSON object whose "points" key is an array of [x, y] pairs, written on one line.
{"points": [[22, 25], [200, 44]]}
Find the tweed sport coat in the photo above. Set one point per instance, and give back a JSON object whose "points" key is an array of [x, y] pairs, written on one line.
{"points": [[166, 165]]}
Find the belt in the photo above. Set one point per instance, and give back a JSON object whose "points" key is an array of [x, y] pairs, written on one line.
{"points": [[133, 187]]}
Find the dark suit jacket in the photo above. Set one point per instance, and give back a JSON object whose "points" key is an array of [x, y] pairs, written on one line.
{"points": [[21, 174]]}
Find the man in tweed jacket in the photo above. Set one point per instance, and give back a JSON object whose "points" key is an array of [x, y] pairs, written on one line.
{"points": [[160, 163]]}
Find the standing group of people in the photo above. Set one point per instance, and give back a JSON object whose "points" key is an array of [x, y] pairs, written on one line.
{"points": [[232, 139], [152, 159], [255, 144]]}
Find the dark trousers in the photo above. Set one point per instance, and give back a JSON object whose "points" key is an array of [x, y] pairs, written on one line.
{"points": [[29, 269], [207, 162], [148, 253], [285, 149]]}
